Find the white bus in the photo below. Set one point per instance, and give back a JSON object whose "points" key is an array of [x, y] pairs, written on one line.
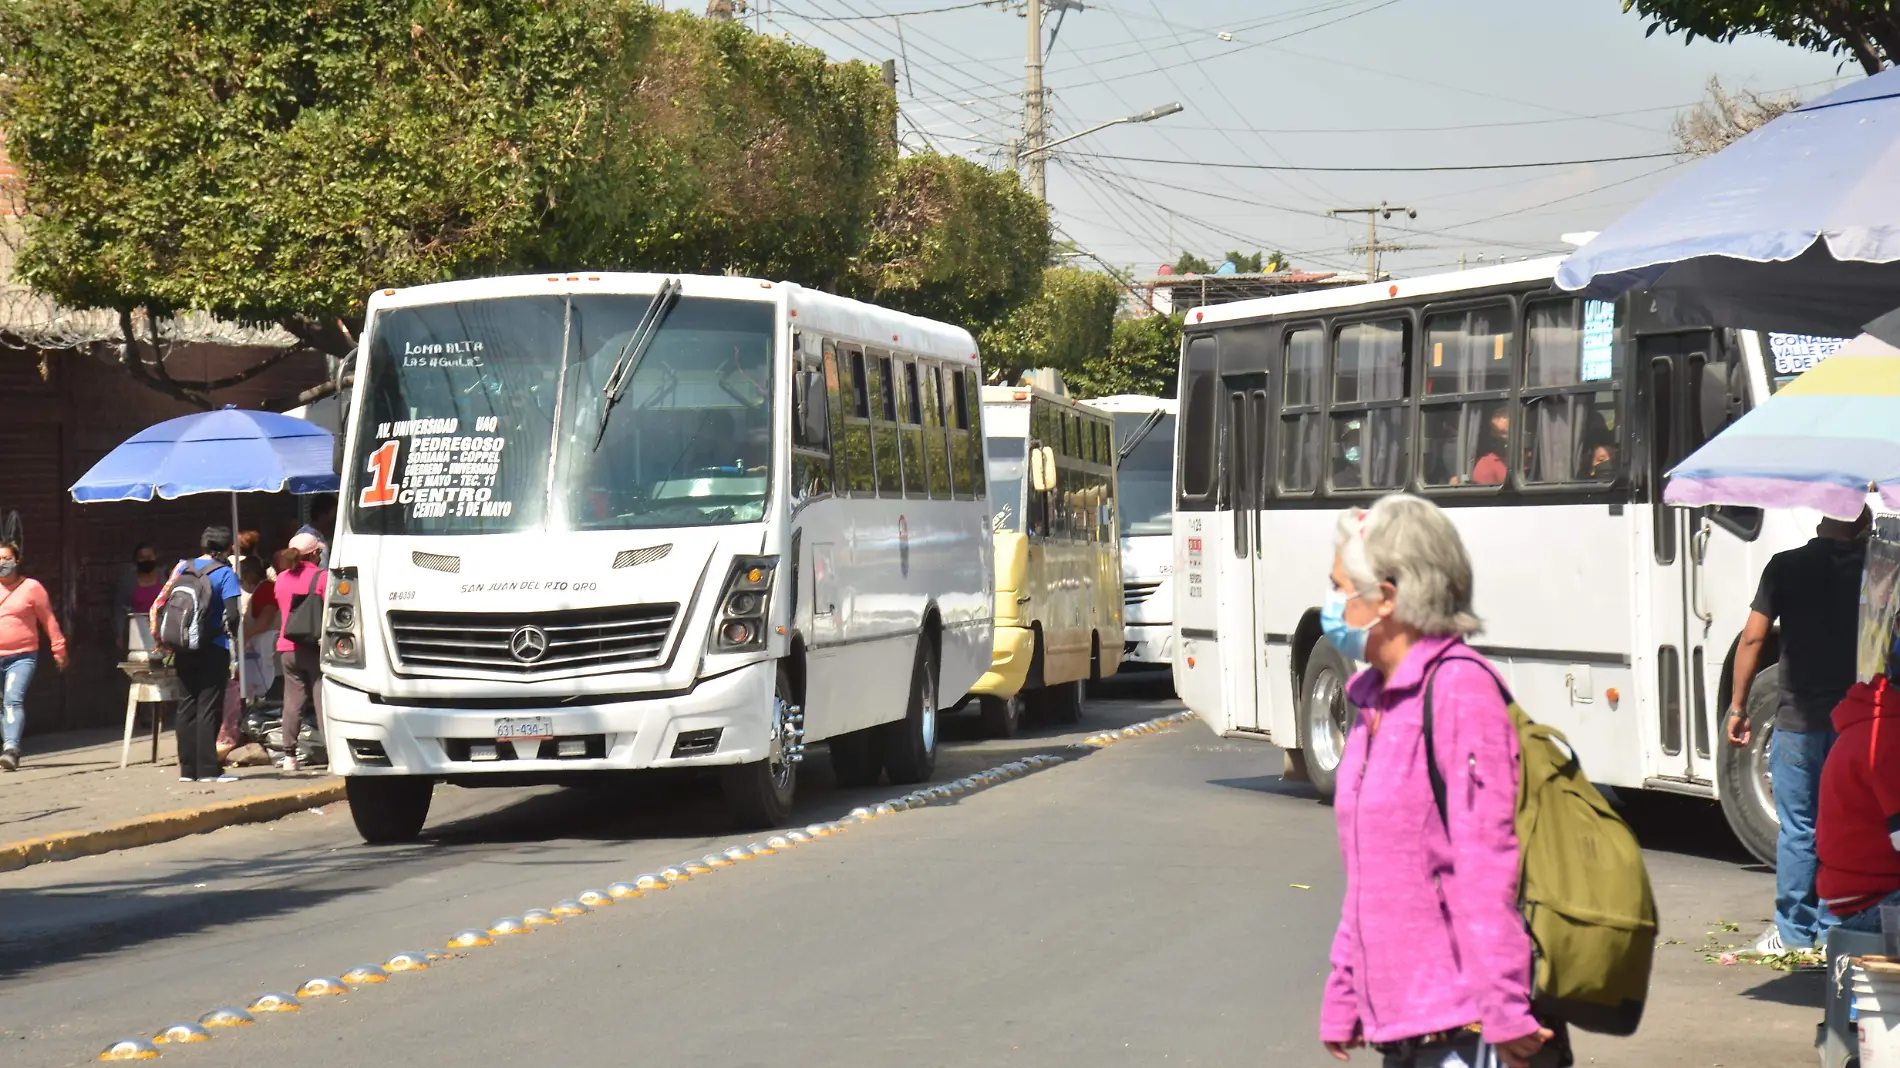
{"points": [[1543, 424], [607, 522], [1144, 427]]}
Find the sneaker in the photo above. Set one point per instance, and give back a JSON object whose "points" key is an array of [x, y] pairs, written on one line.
{"points": [[10, 760], [1769, 944], [219, 778], [186, 778], [290, 763]]}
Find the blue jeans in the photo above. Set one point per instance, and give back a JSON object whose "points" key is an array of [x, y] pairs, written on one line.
{"points": [[16, 674], [1868, 919], [1794, 760]]}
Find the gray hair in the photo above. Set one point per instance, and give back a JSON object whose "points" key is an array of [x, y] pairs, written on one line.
{"points": [[1407, 541]]}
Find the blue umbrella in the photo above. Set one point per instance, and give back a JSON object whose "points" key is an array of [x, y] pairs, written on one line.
{"points": [[233, 450], [1795, 227]]}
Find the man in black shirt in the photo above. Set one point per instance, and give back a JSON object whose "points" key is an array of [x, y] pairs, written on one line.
{"points": [[1814, 591]]}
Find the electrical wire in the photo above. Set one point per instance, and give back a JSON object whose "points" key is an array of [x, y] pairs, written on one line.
{"points": [[1376, 170]]}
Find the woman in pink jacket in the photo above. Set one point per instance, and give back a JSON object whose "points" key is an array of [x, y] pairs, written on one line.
{"points": [[1431, 964], [25, 610]]}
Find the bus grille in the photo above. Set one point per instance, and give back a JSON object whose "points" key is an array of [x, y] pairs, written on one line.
{"points": [[1133, 593], [617, 636]]}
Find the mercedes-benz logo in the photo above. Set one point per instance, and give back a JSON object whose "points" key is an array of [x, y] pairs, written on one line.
{"points": [[528, 644]]}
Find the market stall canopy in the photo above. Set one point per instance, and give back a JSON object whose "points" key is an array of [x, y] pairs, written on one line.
{"points": [[1820, 443], [1794, 228], [233, 450]]}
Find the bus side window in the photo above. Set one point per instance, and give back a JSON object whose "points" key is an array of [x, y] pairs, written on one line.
{"points": [[958, 432], [811, 426], [1466, 417], [857, 467], [890, 469], [1199, 421], [973, 417], [1300, 436], [1370, 438], [1572, 430], [935, 433], [910, 412]]}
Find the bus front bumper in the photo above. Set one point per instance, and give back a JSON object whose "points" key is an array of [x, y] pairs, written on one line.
{"points": [[1014, 648], [1148, 643], [673, 730]]}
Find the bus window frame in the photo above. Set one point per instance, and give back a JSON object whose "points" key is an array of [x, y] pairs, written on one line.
{"points": [[855, 365], [810, 365], [1407, 403], [1207, 498], [1621, 380], [1276, 434], [1515, 349]]}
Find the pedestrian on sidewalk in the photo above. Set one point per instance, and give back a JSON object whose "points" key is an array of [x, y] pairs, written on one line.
{"points": [[302, 666], [1814, 592], [138, 588], [1431, 962], [1857, 831], [205, 672], [24, 611], [259, 648], [322, 526]]}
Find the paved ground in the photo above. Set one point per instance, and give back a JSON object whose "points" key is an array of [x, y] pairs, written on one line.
{"points": [[1163, 901]]}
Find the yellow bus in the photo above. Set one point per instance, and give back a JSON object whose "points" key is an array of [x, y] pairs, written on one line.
{"points": [[1058, 555]]}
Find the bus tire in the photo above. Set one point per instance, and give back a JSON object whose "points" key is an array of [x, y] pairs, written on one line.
{"points": [[759, 794], [909, 746], [1002, 716], [854, 759], [388, 809], [1748, 798], [1324, 717], [1062, 703]]}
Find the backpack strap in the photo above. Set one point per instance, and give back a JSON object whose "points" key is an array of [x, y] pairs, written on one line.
{"points": [[1431, 749]]}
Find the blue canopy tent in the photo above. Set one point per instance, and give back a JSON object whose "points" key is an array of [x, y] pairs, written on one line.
{"points": [[232, 450], [1793, 228]]}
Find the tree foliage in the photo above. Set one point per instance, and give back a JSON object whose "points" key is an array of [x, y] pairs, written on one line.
{"points": [[276, 160], [1724, 118], [1867, 30], [1256, 262], [1067, 326], [1142, 358]]}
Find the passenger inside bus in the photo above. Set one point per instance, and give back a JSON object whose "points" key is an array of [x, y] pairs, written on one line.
{"points": [[1490, 468]]}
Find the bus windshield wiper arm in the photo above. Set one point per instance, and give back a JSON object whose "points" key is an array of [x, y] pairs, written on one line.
{"points": [[635, 350], [1140, 435]]}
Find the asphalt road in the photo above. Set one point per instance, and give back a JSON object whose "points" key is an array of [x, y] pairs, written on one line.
{"points": [[1163, 901]]}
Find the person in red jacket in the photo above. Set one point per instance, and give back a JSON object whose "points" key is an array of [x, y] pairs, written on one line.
{"points": [[1857, 832]]}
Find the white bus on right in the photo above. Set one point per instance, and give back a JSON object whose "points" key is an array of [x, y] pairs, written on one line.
{"points": [[1544, 425]]}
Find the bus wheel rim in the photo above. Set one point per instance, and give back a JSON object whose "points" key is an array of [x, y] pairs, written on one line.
{"points": [[927, 700], [1325, 735], [1761, 780]]}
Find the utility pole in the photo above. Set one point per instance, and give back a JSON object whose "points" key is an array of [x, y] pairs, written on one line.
{"points": [[1372, 247], [1033, 113]]}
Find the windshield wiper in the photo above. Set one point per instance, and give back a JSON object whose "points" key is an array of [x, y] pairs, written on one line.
{"points": [[1140, 434], [635, 350]]}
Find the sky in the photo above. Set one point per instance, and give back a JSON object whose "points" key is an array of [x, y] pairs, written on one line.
{"points": [[1311, 84]]}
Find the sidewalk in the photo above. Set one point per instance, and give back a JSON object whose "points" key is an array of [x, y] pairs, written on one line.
{"points": [[70, 798]]}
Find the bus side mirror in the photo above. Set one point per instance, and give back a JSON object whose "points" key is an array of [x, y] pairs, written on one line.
{"points": [[1042, 469]]}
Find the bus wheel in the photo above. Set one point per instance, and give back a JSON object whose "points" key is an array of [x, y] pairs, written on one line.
{"points": [[1002, 716], [1062, 702], [1325, 716], [909, 746], [1748, 794], [760, 794], [388, 809], [854, 759]]}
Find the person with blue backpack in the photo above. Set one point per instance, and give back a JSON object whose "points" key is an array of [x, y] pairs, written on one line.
{"points": [[193, 619]]}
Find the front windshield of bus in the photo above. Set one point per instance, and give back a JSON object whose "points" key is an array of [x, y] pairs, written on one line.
{"points": [[469, 403], [1146, 476]]}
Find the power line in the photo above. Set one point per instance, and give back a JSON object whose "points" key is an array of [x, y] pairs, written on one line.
{"points": [[890, 15], [1378, 170]]}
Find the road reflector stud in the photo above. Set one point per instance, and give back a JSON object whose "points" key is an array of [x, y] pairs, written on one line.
{"points": [[470, 939], [274, 1003], [884, 808], [863, 813], [594, 899], [570, 907], [760, 849], [652, 882], [697, 867], [539, 918], [717, 860], [897, 804], [509, 925], [779, 841], [738, 853], [819, 830], [798, 837], [622, 891], [363, 974], [323, 986], [227, 1018], [129, 1049], [180, 1033], [676, 874], [407, 962], [836, 827]]}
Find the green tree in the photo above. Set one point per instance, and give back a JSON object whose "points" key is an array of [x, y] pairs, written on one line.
{"points": [[1867, 30], [1068, 325], [274, 161], [1142, 358], [1245, 262], [1189, 263]]}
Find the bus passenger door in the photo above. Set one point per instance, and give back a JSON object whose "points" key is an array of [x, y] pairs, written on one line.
{"points": [[1243, 472]]}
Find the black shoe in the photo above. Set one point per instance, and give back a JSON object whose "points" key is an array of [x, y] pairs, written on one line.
{"points": [[10, 760]]}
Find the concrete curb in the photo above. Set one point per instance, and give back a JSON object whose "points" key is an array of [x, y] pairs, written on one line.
{"points": [[165, 826]]}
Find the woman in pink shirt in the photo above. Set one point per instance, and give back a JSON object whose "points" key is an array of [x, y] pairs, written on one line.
{"points": [[302, 665], [24, 610], [1431, 963]]}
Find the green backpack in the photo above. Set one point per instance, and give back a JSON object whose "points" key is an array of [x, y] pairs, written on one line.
{"points": [[1582, 886]]}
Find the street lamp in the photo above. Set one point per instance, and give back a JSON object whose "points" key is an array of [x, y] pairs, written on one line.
{"points": [[1150, 115]]}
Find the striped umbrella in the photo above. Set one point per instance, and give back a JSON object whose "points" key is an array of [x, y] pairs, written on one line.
{"points": [[1823, 442]]}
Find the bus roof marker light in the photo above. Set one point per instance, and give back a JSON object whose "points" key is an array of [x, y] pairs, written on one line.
{"points": [[389, 292], [129, 1049], [1392, 291], [181, 1033]]}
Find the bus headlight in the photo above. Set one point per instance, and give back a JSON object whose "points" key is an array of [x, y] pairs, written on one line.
{"points": [[342, 645], [744, 603]]}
